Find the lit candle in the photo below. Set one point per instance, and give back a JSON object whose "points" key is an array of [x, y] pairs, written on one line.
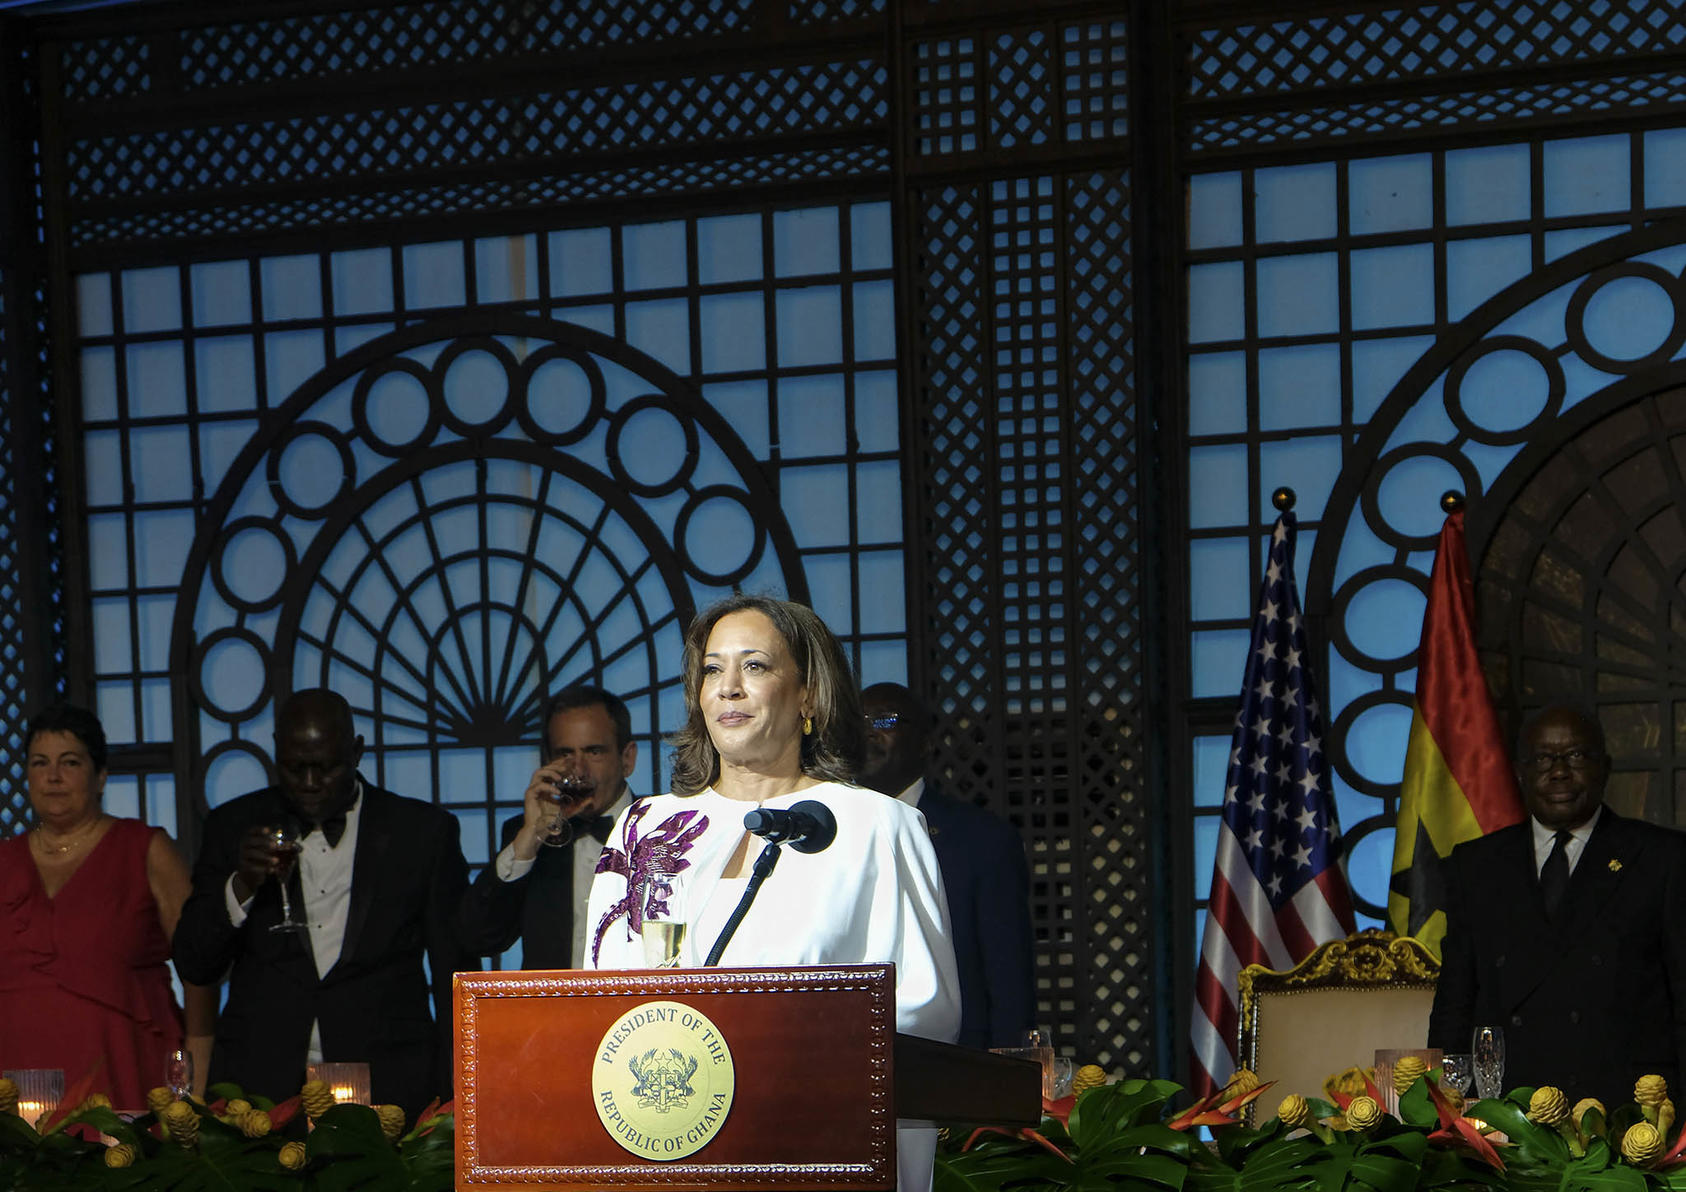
{"points": [[32, 1111], [344, 1094]]}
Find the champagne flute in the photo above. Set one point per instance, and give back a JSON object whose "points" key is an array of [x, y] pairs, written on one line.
{"points": [[1487, 1052], [178, 1072], [285, 846], [571, 791]]}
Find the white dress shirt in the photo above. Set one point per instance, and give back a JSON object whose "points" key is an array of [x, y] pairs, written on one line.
{"points": [[510, 868], [1544, 837]]}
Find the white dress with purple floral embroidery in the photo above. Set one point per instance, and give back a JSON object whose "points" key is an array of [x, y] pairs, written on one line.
{"points": [[874, 896]]}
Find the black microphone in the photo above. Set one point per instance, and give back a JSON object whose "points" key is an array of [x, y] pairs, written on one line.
{"points": [[807, 827]]}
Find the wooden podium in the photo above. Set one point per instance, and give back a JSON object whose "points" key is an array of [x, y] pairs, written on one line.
{"points": [[819, 1077]]}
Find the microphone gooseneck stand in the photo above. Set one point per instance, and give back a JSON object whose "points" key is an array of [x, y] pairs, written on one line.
{"points": [[763, 866]]}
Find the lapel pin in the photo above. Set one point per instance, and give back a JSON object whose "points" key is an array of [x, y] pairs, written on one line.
{"points": [[1615, 865]]}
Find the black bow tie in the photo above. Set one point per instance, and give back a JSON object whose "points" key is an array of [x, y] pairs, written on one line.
{"points": [[594, 825], [332, 829]]}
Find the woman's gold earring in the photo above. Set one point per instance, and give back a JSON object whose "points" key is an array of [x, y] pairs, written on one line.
{"points": [[807, 726]]}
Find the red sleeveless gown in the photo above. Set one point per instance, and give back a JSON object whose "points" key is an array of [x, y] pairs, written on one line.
{"points": [[84, 975]]}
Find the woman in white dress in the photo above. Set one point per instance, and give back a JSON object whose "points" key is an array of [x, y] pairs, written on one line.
{"points": [[774, 718]]}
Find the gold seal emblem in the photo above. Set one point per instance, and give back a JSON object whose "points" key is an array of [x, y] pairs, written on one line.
{"points": [[662, 1081]]}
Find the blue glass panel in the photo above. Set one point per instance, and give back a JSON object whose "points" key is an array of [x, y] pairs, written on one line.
{"points": [[157, 455], [805, 241], [1566, 240], [1299, 386], [290, 359], [1409, 494], [225, 374], [1217, 657], [1487, 185], [1206, 830], [122, 795], [1309, 465], [811, 418], [653, 255], [581, 262], [157, 379], [734, 332], [1216, 302], [1584, 175], [809, 326], [598, 318], [162, 540], [1220, 576], [1214, 210], [662, 330], [506, 268], [154, 615], [220, 444], [875, 320], [151, 299], [816, 500], [1478, 269], [1385, 618], [1217, 486], [362, 281], [1377, 366], [472, 825], [108, 550], [877, 421], [728, 249], [93, 304], [1376, 740], [222, 293], [1217, 393], [1294, 203], [114, 704], [1393, 286], [291, 287], [433, 275], [1390, 194], [1211, 765], [348, 338], [1370, 865], [878, 502], [155, 712], [1505, 390], [1665, 167], [828, 586], [103, 458], [1298, 295], [161, 806], [882, 600], [870, 244], [99, 383], [113, 648]]}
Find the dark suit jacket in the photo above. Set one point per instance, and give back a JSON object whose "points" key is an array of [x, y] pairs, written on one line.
{"points": [[987, 880], [408, 878], [538, 909], [1591, 1003]]}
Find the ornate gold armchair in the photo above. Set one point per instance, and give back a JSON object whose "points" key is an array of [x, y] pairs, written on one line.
{"points": [[1334, 1010]]}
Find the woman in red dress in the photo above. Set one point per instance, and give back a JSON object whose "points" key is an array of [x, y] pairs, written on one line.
{"points": [[87, 905]]}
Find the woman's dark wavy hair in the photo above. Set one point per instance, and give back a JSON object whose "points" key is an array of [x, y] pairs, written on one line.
{"points": [[833, 751], [73, 719]]}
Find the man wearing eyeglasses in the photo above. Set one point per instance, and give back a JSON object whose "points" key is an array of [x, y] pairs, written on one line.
{"points": [[1565, 931], [984, 872]]}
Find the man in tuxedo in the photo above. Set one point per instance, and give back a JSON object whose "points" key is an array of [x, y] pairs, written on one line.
{"points": [[538, 893], [1564, 930], [377, 880], [984, 872]]}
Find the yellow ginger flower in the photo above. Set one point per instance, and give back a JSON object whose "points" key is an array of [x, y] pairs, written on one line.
{"points": [[158, 1100], [1240, 1084], [1665, 1117], [316, 1098], [236, 1109], [1407, 1072], [1583, 1107], [1089, 1076], [8, 1095], [1362, 1113], [293, 1156], [1548, 1106], [1650, 1091], [1642, 1144], [392, 1121], [95, 1101], [255, 1123], [1350, 1083], [182, 1122], [121, 1155], [1294, 1112]]}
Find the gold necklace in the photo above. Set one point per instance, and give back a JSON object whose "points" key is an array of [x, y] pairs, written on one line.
{"points": [[61, 849]]}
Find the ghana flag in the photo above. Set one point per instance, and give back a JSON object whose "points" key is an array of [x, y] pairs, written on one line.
{"points": [[1458, 780]]}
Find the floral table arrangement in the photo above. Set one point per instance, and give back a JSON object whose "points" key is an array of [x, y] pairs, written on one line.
{"points": [[228, 1142], [1123, 1134]]}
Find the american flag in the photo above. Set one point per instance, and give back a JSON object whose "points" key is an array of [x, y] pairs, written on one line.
{"points": [[1278, 885]]}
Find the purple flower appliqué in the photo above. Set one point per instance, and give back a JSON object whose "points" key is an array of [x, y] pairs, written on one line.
{"points": [[649, 864]]}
